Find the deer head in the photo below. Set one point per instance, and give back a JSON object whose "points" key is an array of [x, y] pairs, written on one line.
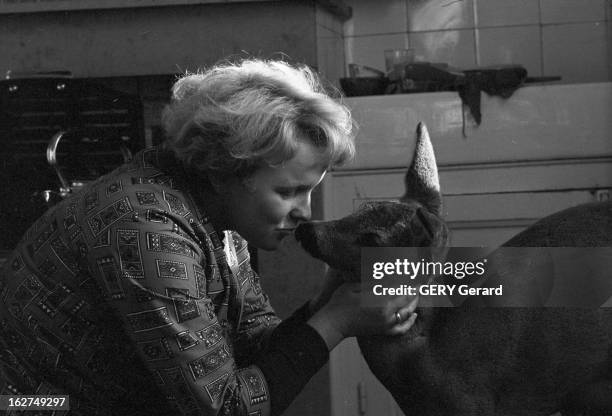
{"points": [[412, 222]]}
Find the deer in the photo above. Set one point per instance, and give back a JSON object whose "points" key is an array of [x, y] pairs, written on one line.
{"points": [[478, 357]]}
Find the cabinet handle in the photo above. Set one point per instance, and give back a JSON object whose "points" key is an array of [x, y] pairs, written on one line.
{"points": [[362, 399], [602, 195]]}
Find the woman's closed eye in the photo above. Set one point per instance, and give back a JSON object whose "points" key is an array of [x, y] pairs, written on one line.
{"points": [[287, 193]]}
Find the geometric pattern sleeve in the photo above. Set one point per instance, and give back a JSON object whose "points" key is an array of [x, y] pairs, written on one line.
{"points": [[257, 318], [198, 327], [288, 354], [175, 324]]}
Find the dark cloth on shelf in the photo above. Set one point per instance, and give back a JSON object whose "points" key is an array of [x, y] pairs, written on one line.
{"points": [[502, 82], [125, 297]]}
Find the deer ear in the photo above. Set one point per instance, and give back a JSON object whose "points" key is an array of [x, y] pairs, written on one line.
{"points": [[422, 182]]}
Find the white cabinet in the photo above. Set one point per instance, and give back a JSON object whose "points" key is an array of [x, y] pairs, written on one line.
{"points": [[545, 149]]}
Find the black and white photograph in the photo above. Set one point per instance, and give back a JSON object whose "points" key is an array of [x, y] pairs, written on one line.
{"points": [[306, 207]]}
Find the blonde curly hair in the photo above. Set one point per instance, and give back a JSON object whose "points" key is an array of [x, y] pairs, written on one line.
{"points": [[236, 117]]}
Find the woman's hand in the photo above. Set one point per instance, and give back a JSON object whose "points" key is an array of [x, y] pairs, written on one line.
{"points": [[344, 315]]}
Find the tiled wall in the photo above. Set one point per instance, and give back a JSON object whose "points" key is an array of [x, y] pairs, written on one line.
{"points": [[570, 38], [330, 45]]}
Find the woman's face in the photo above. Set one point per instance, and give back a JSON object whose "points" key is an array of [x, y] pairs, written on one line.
{"points": [[274, 200]]}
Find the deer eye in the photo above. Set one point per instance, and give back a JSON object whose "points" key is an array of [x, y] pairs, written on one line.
{"points": [[369, 240]]}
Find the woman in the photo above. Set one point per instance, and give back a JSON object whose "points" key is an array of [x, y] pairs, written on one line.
{"points": [[135, 296]]}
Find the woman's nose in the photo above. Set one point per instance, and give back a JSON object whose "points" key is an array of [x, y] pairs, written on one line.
{"points": [[301, 210]]}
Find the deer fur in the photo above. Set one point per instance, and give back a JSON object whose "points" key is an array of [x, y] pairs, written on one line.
{"points": [[476, 359]]}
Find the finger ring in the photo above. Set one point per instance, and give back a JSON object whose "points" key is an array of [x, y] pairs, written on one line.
{"points": [[398, 318]]}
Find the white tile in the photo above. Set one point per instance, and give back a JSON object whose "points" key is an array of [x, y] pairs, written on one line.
{"points": [[337, 66], [563, 11], [322, 17], [512, 45], [328, 20], [337, 25], [577, 52], [454, 47], [507, 12], [325, 32], [425, 15], [330, 55], [369, 50], [609, 44], [323, 44], [376, 17]]}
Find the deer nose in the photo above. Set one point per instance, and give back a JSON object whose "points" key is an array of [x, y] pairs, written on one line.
{"points": [[303, 231], [305, 234]]}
